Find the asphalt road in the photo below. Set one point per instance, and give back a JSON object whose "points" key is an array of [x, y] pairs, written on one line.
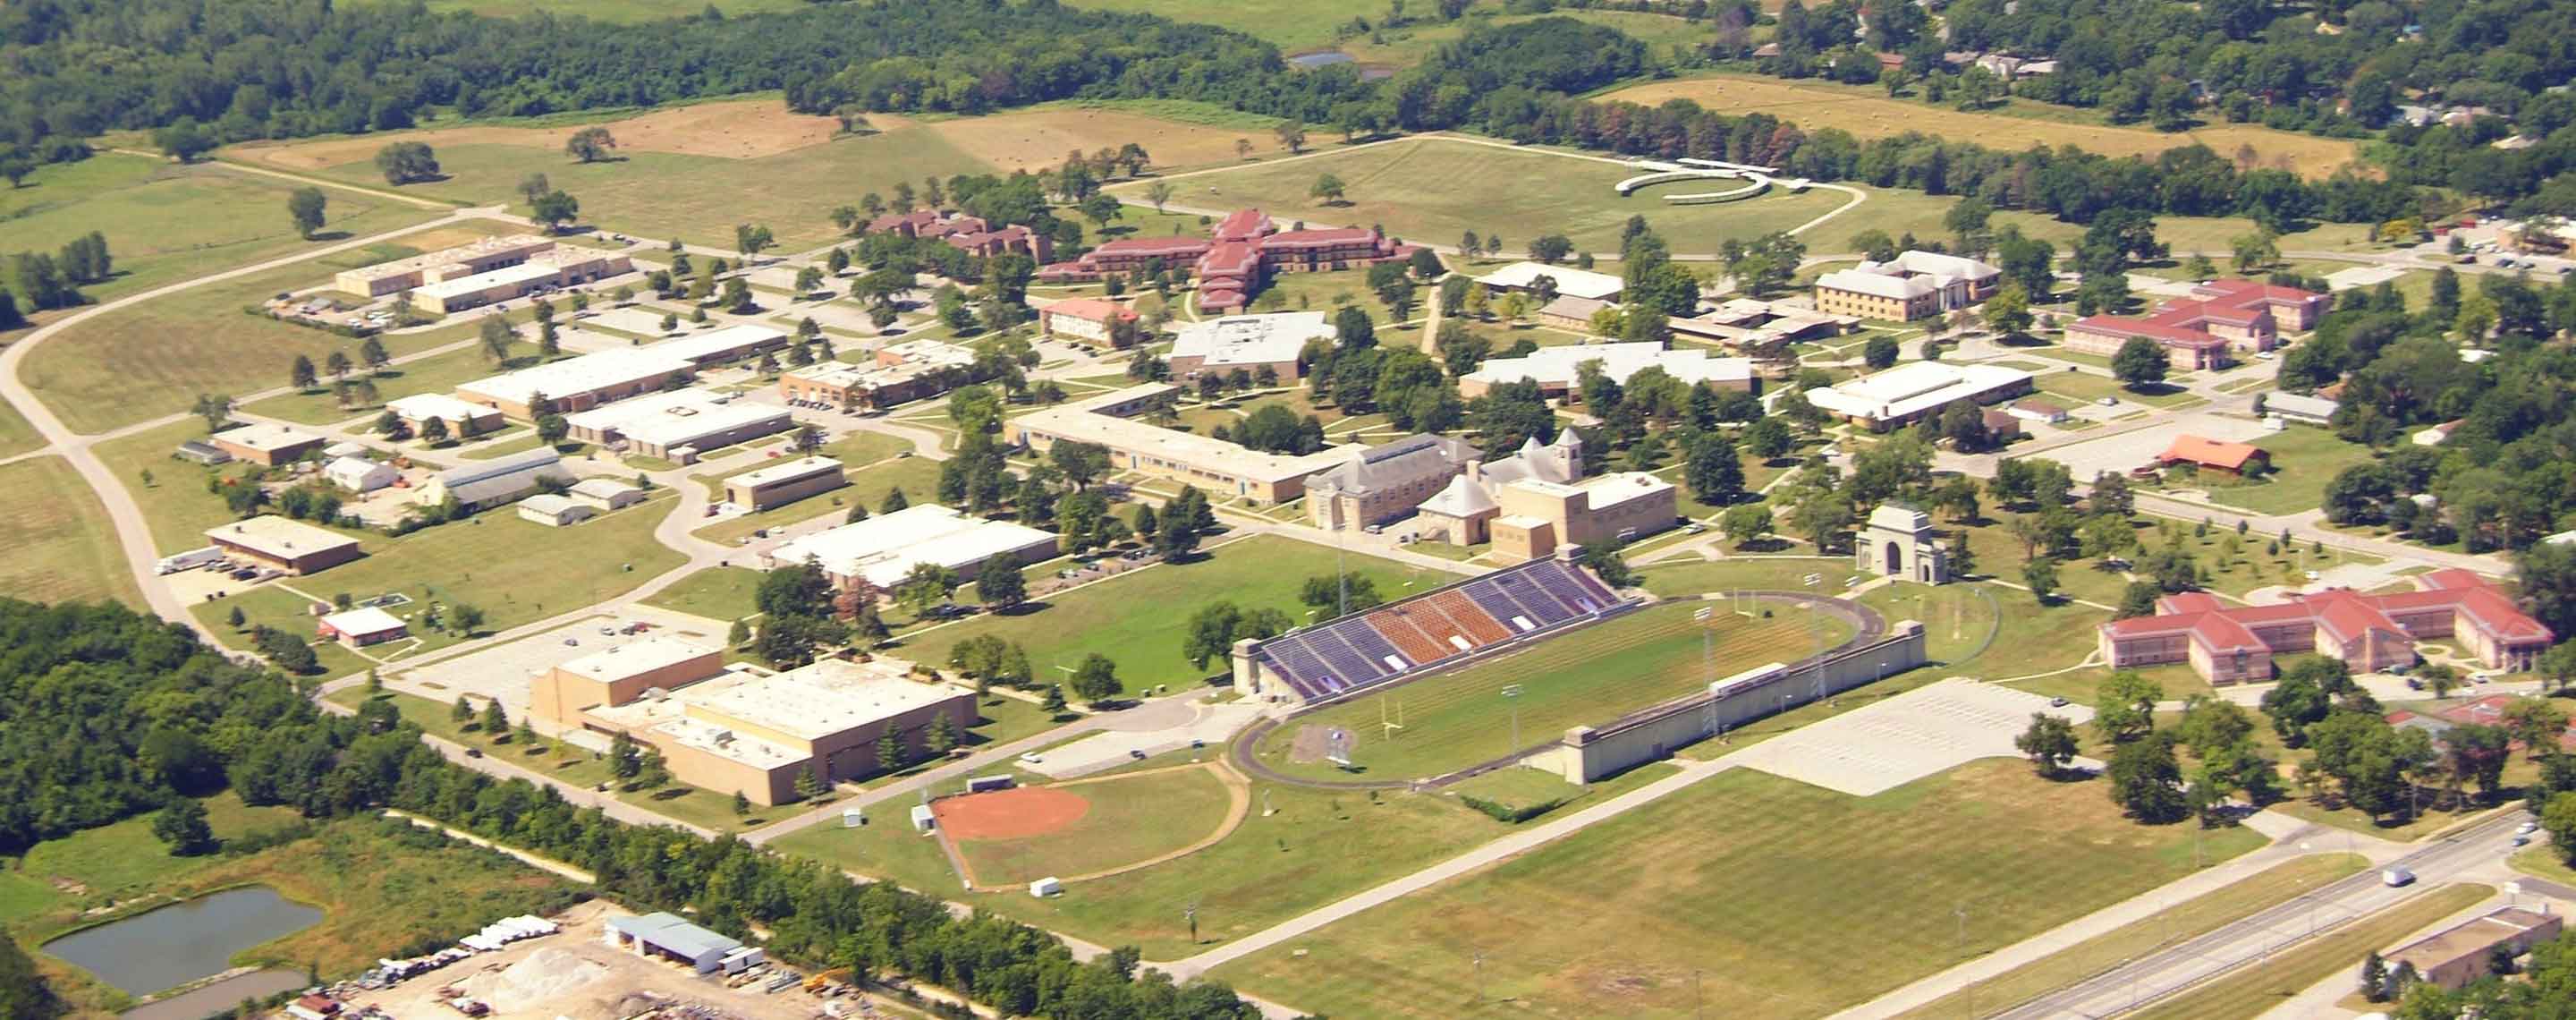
{"points": [[2170, 972]]}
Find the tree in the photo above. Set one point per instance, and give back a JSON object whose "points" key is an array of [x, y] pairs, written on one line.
{"points": [[1745, 522], [2040, 575], [1291, 135], [1158, 193], [304, 206], [2140, 363], [495, 336], [751, 239], [1769, 439], [1053, 701], [183, 140], [182, 826], [1096, 679], [495, 721], [554, 209], [742, 804], [2146, 781], [1001, 584], [407, 163], [590, 144], [461, 711], [301, 374], [1327, 189], [2124, 706], [1715, 472], [2374, 977], [2009, 310], [2536, 722], [1879, 351], [2049, 742]]}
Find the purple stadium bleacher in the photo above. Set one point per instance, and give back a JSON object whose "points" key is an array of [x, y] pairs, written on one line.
{"points": [[1350, 653]]}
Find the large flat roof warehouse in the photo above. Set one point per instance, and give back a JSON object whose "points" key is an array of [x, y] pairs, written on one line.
{"points": [[266, 438], [533, 269], [1557, 366], [462, 256], [1086, 421], [635, 657], [675, 418], [801, 467], [584, 374], [1914, 388], [719, 344], [1249, 339], [812, 702], [884, 548], [1570, 282], [278, 537]]}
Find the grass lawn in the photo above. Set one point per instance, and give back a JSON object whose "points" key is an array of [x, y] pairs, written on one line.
{"points": [[2207, 912], [1683, 578], [1717, 890], [152, 359], [438, 373], [2086, 388], [856, 449], [1127, 820], [717, 593], [1433, 190], [165, 222], [1586, 677], [61, 546], [1961, 622], [2304, 459], [116, 862], [699, 198], [1139, 618], [517, 571], [918, 477], [2252, 990], [2542, 861]]}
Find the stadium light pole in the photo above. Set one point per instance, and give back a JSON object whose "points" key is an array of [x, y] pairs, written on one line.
{"points": [[1512, 695]]}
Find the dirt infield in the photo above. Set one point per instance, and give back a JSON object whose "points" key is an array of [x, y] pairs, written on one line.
{"points": [[734, 129], [1018, 813], [1867, 117], [1034, 139]]}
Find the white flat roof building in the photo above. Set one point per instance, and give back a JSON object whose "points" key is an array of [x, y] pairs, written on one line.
{"points": [[884, 548], [265, 438], [1570, 282], [785, 470], [1249, 339], [1906, 391], [590, 373], [813, 702], [1555, 368], [424, 406], [634, 658], [358, 474], [657, 423], [723, 344], [362, 622]]}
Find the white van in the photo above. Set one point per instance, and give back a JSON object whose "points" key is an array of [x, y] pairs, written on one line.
{"points": [[2396, 876]]}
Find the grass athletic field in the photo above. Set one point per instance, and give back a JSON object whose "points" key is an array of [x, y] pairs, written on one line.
{"points": [[1113, 823], [1867, 113], [1745, 886], [1590, 676], [1434, 189], [1138, 619]]}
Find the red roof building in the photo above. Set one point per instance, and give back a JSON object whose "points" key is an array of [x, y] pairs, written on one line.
{"points": [[972, 234], [2370, 633], [2212, 454], [1237, 257], [2219, 319]]}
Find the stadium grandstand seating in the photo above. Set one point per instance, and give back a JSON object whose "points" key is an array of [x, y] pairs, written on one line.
{"points": [[1377, 645]]}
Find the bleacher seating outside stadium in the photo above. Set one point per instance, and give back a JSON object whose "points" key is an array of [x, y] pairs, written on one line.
{"points": [[1377, 645]]}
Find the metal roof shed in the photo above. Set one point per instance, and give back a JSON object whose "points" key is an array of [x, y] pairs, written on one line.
{"points": [[667, 935]]}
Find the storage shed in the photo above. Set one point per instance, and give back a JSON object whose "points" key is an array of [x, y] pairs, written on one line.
{"points": [[665, 935]]}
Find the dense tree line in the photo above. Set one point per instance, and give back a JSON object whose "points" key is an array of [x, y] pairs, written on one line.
{"points": [[107, 714]]}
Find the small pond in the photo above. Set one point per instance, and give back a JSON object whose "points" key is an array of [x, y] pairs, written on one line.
{"points": [[171, 946]]}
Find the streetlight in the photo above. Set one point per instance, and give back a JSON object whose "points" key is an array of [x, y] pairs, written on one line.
{"points": [[1512, 694]]}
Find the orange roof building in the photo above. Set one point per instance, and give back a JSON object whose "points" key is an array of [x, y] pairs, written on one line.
{"points": [[2213, 454], [2236, 644]]}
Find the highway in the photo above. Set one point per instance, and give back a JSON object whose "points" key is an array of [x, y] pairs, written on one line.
{"points": [[2469, 855]]}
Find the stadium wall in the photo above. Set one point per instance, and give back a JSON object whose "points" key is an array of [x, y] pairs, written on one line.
{"points": [[1589, 753]]}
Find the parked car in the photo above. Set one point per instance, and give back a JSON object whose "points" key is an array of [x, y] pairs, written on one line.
{"points": [[1030, 758], [474, 752]]}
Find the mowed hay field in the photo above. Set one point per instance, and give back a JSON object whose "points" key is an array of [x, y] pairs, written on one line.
{"points": [[1431, 190], [167, 222], [1587, 677], [1759, 895], [61, 547], [1035, 139], [1867, 115], [1128, 820]]}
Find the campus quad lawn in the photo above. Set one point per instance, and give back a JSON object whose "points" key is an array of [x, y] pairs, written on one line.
{"points": [[165, 222], [1130, 819], [152, 359], [717, 593], [1138, 619], [661, 195], [61, 546], [1433, 190], [1721, 886], [1587, 677], [2252, 990], [2304, 459], [2204, 913]]}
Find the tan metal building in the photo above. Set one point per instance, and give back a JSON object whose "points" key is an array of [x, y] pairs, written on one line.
{"points": [[785, 482], [289, 545]]}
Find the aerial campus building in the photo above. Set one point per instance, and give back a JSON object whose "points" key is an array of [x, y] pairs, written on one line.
{"points": [[267, 445], [2220, 319], [484, 256], [1910, 286], [1226, 468], [880, 551], [544, 270], [2236, 644], [1900, 395], [973, 235], [585, 382], [284, 544], [494, 482], [461, 419], [1563, 281], [742, 730], [1089, 320], [677, 425], [1437, 628], [1527, 505], [1236, 259], [1556, 369], [899, 373], [1248, 343], [784, 482]]}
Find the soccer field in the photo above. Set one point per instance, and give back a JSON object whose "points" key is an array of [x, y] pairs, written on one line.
{"points": [[1587, 677]]}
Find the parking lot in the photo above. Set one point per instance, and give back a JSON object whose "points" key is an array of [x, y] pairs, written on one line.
{"points": [[1897, 741], [2129, 450]]}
